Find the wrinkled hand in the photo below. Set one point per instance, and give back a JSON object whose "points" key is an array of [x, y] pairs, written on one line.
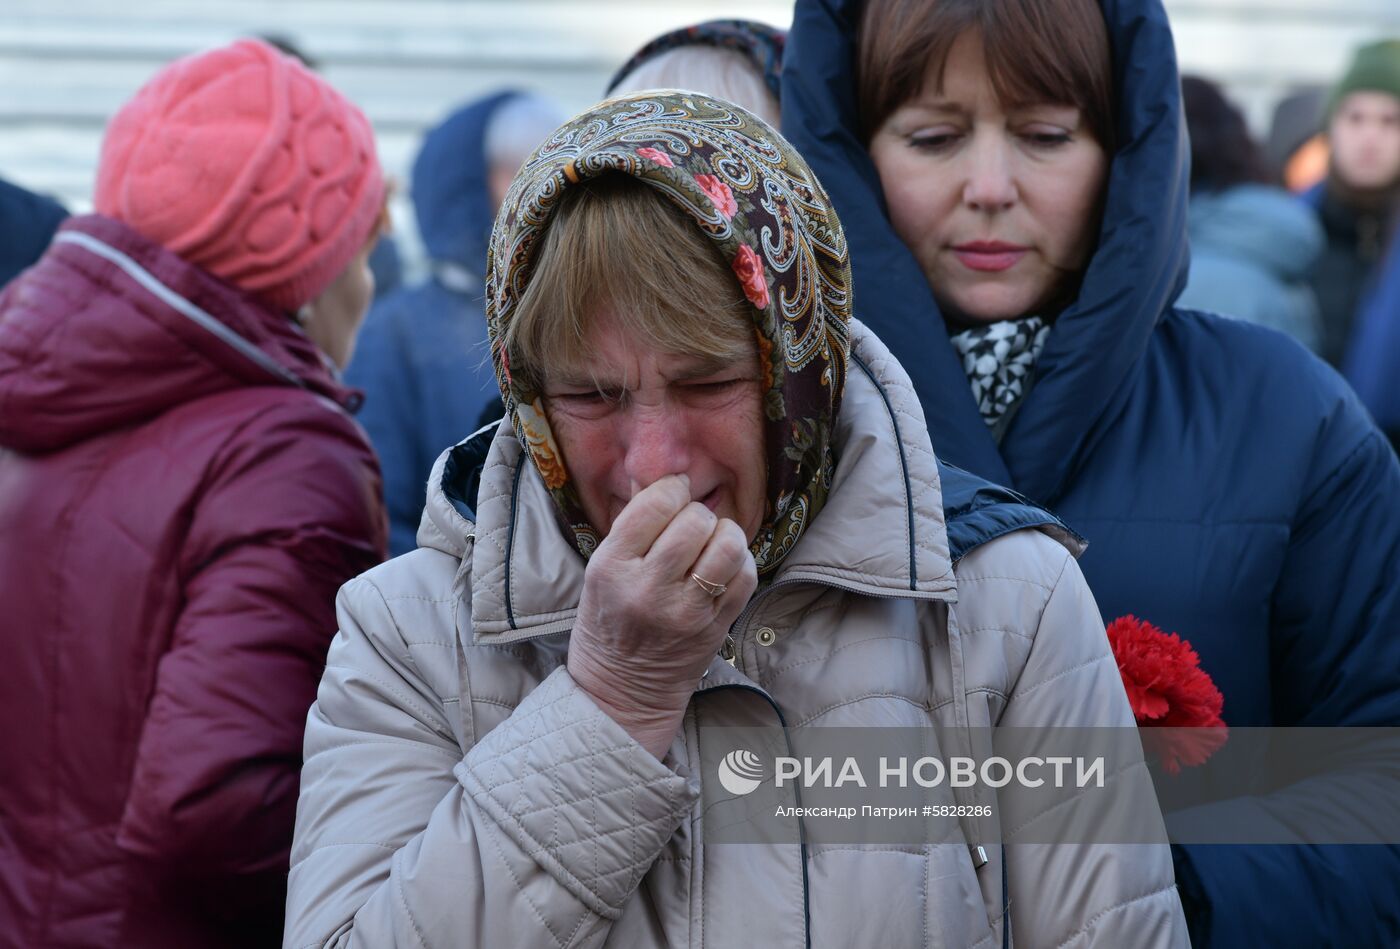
{"points": [[646, 631]]}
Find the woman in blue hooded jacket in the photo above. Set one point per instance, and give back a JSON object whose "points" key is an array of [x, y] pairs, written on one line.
{"points": [[1012, 175]]}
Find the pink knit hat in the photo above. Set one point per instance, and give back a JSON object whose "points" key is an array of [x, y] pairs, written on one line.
{"points": [[249, 165]]}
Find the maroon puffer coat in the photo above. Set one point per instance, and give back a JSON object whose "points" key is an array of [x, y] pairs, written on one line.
{"points": [[182, 491]]}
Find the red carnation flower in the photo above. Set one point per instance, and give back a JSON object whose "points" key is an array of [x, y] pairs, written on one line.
{"points": [[1167, 688]]}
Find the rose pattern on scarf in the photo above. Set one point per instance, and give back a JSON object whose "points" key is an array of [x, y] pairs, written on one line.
{"points": [[748, 267], [656, 155], [719, 193], [750, 193]]}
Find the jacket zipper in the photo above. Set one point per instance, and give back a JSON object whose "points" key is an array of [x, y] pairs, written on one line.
{"points": [[729, 652], [797, 796]]}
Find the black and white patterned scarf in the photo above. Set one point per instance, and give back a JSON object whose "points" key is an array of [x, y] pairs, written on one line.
{"points": [[998, 359]]}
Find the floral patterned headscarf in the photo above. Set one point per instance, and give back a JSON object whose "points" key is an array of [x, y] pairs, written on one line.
{"points": [[750, 192]]}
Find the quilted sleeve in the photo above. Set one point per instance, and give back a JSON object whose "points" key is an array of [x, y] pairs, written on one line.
{"points": [[536, 835]]}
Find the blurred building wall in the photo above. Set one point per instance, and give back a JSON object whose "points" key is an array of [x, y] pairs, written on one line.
{"points": [[65, 65]]}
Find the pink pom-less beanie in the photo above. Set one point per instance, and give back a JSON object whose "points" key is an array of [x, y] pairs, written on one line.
{"points": [[248, 165]]}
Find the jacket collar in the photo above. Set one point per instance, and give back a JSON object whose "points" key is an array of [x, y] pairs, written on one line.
{"points": [[881, 532]]}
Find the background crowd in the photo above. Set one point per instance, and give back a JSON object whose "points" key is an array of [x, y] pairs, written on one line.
{"points": [[221, 399]]}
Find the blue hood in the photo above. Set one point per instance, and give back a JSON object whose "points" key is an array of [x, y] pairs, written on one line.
{"points": [[1138, 270], [450, 195]]}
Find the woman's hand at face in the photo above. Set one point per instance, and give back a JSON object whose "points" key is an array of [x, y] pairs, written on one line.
{"points": [[646, 631]]}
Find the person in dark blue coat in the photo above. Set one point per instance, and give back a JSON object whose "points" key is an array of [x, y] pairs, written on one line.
{"points": [[1358, 202], [27, 224], [422, 359], [1372, 364], [1231, 487], [1358, 275]]}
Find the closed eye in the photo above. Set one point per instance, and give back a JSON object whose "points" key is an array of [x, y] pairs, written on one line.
{"points": [[588, 395], [717, 385], [932, 143], [590, 403], [713, 392]]}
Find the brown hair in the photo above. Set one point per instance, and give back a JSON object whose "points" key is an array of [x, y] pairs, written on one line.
{"points": [[1052, 51], [616, 242]]}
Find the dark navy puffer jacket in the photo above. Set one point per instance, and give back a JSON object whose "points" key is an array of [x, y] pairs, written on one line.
{"points": [[27, 222], [182, 492], [1230, 485]]}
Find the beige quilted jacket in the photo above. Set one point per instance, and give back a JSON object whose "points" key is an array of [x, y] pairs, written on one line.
{"points": [[460, 790]]}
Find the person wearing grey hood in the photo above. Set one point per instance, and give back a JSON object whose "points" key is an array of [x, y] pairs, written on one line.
{"points": [[422, 359], [1252, 244]]}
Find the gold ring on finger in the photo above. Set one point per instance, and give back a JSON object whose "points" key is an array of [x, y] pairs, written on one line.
{"points": [[709, 586]]}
